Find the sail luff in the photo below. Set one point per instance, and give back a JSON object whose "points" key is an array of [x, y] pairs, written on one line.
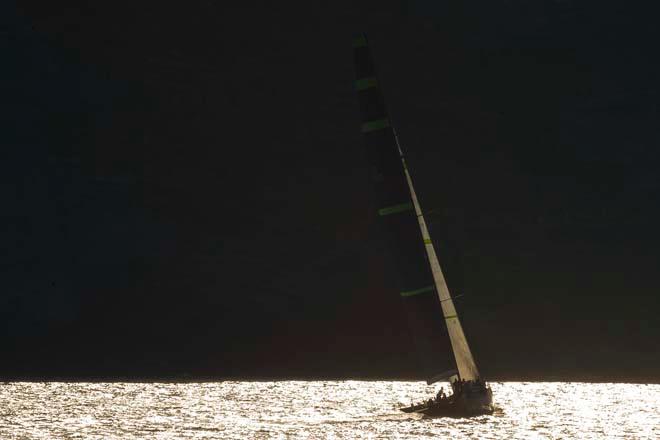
{"points": [[467, 368]]}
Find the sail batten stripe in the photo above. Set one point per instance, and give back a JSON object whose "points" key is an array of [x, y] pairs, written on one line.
{"points": [[451, 316], [417, 292], [427, 241], [378, 124], [359, 41], [365, 83], [402, 207]]}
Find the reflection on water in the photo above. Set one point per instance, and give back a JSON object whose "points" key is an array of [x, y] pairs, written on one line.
{"points": [[329, 409]]}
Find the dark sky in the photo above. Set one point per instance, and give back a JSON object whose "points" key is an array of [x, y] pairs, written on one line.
{"points": [[184, 188]]}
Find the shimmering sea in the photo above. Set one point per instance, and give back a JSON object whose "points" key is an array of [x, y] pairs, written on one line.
{"points": [[319, 410]]}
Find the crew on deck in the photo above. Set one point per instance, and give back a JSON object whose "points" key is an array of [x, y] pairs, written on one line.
{"points": [[458, 386], [461, 385]]}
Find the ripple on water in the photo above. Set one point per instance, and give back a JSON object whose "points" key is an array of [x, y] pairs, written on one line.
{"points": [[319, 409]]}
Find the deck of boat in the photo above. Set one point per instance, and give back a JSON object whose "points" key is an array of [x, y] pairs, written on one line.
{"points": [[464, 405]]}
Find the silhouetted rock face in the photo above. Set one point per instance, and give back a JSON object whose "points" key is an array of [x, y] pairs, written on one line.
{"points": [[185, 188]]}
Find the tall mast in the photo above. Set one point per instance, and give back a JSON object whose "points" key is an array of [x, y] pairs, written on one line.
{"points": [[467, 368]]}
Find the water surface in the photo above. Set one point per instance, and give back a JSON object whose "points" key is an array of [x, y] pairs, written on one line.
{"points": [[319, 410]]}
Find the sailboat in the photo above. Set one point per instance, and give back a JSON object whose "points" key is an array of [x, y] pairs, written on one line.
{"points": [[421, 280]]}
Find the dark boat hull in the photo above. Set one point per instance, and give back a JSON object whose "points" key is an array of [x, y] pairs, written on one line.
{"points": [[464, 405]]}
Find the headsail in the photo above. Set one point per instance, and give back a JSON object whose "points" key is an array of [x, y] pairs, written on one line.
{"points": [[401, 212]]}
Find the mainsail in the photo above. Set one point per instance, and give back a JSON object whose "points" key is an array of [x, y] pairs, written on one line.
{"points": [[402, 215]]}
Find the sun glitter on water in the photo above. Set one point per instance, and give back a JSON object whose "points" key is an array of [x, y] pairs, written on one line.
{"points": [[319, 410]]}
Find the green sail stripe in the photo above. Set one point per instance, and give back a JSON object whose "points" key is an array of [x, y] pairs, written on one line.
{"points": [[417, 292], [365, 83], [451, 316], [359, 41], [378, 124], [395, 209], [427, 241]]}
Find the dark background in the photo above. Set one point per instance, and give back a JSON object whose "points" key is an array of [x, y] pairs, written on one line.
{"points": [[184, 191]]}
